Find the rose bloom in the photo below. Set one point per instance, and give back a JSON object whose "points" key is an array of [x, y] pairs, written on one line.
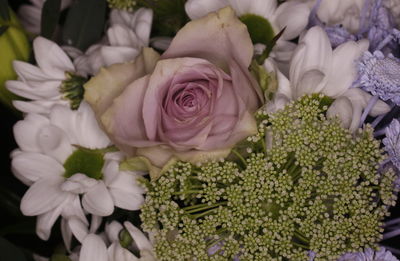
{"points": [[193, 103]]}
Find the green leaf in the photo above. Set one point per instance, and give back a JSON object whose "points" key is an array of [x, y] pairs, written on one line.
{"points": [[86, 161], [27, 227], [169, 15], [9, 202], [259, 28], [84, 24], [4, 13], [50, 17], [10, 252], [3, 29], [268, 48]]}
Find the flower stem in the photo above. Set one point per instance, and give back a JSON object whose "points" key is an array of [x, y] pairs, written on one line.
{"points": [[370, 106], [237, 154], [203, 207]]}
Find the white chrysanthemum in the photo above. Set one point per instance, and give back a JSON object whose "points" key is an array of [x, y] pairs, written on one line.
{"points": [[344, 12], [43, 84], [316, 68], [60, 158], [127, 34], [31, 15], [292, 15], [107, 247]]}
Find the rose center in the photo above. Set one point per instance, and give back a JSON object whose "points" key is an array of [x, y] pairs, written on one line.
{"points": [[190, 99]]}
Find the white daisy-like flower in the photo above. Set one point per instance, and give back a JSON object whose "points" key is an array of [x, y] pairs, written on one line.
{"points": [[127, 34], [292, 15], [63, 156], [31, 15], [53, 81], [344, 12], [107, 246], [316, 68]]}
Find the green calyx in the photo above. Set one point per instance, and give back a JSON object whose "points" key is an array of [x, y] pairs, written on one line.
{"points": [[85, 161], [301, 183], [125, 239], [259, 28], [72, 89]]}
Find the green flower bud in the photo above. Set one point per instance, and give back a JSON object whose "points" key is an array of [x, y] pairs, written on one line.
{"points": [[14, 45]]}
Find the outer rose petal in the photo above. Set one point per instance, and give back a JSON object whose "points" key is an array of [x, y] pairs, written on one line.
{"points": [[124, 119], [219, 37], [101, 90]]}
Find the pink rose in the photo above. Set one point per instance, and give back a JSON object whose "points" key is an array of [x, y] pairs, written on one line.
{"points": [[195, 102]]}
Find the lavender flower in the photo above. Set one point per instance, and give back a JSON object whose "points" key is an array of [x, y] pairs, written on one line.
{"points": [[379, 25], [369, 255], [376, 24], [392, 142], [379, 75]]}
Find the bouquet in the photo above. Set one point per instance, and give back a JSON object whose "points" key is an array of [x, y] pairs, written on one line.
{"points": [[207, 130]]}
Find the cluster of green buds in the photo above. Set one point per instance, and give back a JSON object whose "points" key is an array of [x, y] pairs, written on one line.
{"points": [[127, 5], [14, 45], [302, 183]]}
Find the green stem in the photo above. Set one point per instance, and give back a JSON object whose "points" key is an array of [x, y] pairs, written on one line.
{"points": [[205, 207], [240, 157], [300, 245], [205, 213], [301, 237]]}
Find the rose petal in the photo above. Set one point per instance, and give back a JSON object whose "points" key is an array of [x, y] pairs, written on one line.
{"points": [[124, 120], [101, 90], [223, 39]]}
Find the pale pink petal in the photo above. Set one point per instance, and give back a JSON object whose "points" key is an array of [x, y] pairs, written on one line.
{"points": [[140, 239], [344, 70], [223, 40], [34, 166], [78, 228], [93, 249], [294, 16], [26, 132], [45, 222], [98, 201], [51, 58], [198, 8], [108, 84], [112, 230], [43, 196]]}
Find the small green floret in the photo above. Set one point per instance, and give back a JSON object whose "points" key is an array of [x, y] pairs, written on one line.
{"points": [[301, 183], [72, 89], [85, 161], [127, 5]]}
